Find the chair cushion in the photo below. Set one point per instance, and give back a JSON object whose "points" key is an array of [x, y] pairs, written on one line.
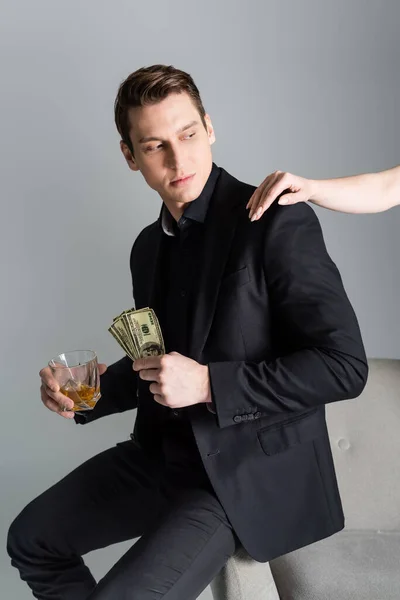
{"points": [[365, 441], [242, 578], [350, 565]]}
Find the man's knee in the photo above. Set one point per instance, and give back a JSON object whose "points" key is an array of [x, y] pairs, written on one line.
{"points": [[22, 533], [14, 539]]}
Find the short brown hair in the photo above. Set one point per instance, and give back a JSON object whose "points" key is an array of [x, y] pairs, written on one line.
{"points": [[150, 85]]}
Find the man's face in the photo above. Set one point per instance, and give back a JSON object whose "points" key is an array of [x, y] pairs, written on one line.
{"points": [[172, 148]]}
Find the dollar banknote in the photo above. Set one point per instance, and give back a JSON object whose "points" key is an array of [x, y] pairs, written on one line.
{"points": [[138, 332]]}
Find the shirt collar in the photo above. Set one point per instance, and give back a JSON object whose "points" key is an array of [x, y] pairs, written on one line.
{"points": [[197, 210]]}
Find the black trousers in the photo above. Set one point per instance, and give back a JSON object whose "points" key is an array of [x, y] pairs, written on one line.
{"points": [[118, 495]]}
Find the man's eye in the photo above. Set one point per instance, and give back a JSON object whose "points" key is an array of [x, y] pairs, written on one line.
{"points": [[152, 148], [190, 135]]}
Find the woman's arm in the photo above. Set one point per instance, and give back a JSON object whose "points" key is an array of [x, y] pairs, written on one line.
{"points": [[367, 193]]}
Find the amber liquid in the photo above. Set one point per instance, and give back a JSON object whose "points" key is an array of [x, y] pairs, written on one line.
{"points": [[85, 393]]}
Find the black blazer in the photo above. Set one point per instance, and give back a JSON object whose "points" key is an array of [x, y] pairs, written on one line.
{"points": [[281, 339]]}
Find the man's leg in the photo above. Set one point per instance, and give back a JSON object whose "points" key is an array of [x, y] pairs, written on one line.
{"points": [[184, 550], [110, 498]]}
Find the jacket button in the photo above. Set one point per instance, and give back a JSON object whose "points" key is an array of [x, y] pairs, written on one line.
{"points": [[237, 419], [257, 415]]}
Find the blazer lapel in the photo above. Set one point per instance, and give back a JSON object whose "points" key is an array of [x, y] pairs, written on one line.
{"points": [[220, 229], [154, 292]]}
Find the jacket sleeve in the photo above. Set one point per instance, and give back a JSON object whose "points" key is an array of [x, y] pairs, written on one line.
{"points": [[325, 361], [118, 387]]}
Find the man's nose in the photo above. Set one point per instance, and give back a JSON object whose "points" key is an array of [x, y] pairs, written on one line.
{"points": [[175, 158]]}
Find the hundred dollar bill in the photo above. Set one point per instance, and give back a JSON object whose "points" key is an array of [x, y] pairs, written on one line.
{"points": [[138, 333], [145, 328], [133, 341], [117, 337], [124, 312], [118, 331]]}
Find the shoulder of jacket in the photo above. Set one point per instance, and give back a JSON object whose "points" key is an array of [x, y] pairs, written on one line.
{"points": [[143, 237]]}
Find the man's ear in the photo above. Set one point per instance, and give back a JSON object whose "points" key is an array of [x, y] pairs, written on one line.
{"points": [[210, 129], [130, 159]]}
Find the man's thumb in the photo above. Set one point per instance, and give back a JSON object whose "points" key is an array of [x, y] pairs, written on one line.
{"points": [[102, 368]]}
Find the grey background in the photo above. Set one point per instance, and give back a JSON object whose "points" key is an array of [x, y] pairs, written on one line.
{"points": [[310, 87]]}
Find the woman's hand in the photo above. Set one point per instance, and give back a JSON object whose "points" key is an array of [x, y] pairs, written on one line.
{"points": [[289, 188]]}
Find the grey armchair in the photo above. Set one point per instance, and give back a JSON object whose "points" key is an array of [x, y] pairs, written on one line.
{"points": [[362, 562]]}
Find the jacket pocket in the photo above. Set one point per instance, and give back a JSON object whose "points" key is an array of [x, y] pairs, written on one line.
{"points": [[297, 430], [236, 278]]}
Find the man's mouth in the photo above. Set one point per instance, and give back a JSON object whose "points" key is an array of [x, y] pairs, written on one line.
{"points": [[182, 180]]}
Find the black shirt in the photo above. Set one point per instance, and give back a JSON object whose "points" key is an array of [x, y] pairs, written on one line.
{"points": [[182, 251]]}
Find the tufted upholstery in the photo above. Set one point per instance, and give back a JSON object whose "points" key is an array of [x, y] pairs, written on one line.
{"points": [[362, 561]]}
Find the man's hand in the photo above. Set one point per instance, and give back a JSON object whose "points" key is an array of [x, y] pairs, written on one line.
{"points": [[178, 381], [51, 396], [297, 189]]}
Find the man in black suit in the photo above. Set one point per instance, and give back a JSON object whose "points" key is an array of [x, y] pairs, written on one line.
{"points": [[230, 444]]}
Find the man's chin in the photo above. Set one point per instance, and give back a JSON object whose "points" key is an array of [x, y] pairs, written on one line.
{"points": [[185, 193], [185, 197]]}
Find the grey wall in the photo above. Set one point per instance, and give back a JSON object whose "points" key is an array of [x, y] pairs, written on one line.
{"points": [[310, 87]]}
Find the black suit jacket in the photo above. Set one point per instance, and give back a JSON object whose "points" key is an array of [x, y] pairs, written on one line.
{"points": [[275, 326]]}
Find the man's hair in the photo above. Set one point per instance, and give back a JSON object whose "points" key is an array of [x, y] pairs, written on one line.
{"points": [[150, 85]]}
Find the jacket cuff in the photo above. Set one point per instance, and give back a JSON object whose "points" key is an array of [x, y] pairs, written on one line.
{"points": [[211, 407], [228, 401]]}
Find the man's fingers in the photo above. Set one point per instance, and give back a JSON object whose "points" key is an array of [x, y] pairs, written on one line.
{"points": [[47, 401], [67, 414], [55, 406], [160, 400], [149, 374], [151, 362], [102, 368], [51, 396], [57, 397], [48, 379], [60, 399], [155, 388]]}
